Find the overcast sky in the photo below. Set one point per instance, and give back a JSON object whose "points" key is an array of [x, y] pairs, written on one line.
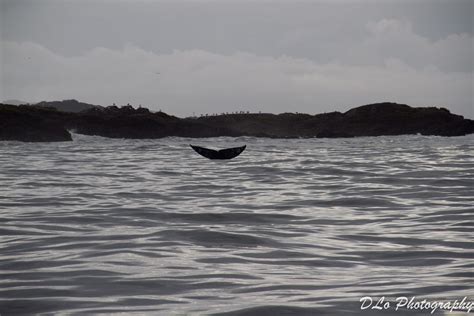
{"points": [[197, 56]]}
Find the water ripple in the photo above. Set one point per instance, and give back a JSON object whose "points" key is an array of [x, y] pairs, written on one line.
{"points": [[291, 227]]}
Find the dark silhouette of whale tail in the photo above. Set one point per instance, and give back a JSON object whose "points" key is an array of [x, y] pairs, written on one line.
{"points": [[228, 153]]}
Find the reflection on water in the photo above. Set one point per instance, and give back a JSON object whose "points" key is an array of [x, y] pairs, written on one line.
{"points": [[291, 226]]}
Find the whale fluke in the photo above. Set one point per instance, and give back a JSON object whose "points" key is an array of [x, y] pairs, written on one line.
{"points": [[228, 153]]}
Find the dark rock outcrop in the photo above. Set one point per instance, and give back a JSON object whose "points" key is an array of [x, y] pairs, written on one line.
{"points": [[34, 123], [72, 105], [127, 122], [31, 124], [368, 120], [398, 119]]}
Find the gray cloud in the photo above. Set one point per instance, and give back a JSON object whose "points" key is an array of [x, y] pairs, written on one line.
{"points": [[198, 81], [274, 56], [316, 30]]}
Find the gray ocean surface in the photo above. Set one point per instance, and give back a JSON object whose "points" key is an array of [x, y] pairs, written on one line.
{"points": [[290, 227]]}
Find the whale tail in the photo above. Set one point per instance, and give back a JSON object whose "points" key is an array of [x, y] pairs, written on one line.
{"points": [[227, 153]]}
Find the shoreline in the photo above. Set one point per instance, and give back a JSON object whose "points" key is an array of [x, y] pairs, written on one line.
{"points": [[45, 123]]}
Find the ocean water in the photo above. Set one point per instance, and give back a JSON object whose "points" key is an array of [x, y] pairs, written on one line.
{"points": [[290, 227]]}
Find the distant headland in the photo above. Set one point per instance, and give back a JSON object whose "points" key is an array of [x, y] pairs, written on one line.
{"points": [[52, 121]]}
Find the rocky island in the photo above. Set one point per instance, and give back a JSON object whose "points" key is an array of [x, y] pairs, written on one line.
{"points": [[32, 124], [51, 121]]}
